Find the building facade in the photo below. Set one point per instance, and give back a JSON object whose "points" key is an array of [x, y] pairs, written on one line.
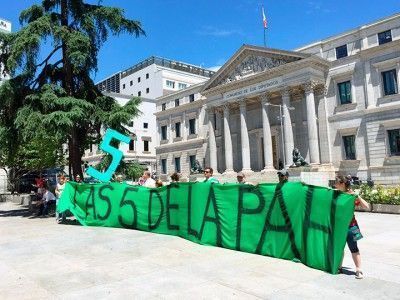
{"points": [[337, 101], [154, 77], [141, 147], [181, 131]]}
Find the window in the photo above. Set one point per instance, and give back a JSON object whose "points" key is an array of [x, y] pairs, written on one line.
{"points": [[385, 37], [192, 126], [192, 160], [394, 142], [176, 102], [146, 146], [164, 106], [131, 145], [147, 90], [131, 82], [215, 121], [171, 84], [344, 89], [163, 133], [145, 125], [147, 75], [349, 147], [123, 86], [139, 93], [389, 79], [178, 129], [163, 166], [191, 97], [138, 79], [130, 124], [177, 164], [341, 51], [182, 85]]}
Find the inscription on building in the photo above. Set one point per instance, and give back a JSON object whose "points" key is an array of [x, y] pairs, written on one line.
{"points": [[253, 89]]}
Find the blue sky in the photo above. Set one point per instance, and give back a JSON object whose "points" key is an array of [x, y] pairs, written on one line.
{"points": [[208, 32]]}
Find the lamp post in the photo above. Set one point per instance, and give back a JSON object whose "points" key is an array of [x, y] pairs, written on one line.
{"points": [[282, 129]]}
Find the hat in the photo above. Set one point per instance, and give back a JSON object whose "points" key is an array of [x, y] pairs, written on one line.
{"points": [[240, 174], [283, 172]]}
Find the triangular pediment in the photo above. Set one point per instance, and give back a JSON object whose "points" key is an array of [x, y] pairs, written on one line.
{"points": [[249, 61]]}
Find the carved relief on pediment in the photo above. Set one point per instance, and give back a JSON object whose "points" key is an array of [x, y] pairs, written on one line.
{"points": [[251, 65]]}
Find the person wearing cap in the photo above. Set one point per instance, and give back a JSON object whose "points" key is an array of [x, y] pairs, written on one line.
{"points": [[283, 176], [208, 174], [78, 178]]}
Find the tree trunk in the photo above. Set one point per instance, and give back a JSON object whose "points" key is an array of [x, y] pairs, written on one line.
{"points": [[75, 159], [75, 154]]}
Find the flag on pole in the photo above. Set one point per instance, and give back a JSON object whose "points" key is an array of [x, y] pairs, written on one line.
{"points": [[264, 18]]}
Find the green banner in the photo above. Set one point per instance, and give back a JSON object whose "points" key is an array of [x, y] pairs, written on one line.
{"points": [[290, 221]]}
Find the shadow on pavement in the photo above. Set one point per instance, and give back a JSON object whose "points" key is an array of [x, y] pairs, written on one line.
{"points": [[23, 212], [348, 271]]}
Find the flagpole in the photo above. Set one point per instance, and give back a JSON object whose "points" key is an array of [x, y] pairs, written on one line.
{"points": [[265, 41]]}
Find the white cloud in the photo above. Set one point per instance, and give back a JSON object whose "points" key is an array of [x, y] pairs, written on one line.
{"points": [[218, 32], [215, 68]]}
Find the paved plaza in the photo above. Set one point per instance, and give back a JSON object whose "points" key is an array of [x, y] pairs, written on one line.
{"points": [[40, 259]]}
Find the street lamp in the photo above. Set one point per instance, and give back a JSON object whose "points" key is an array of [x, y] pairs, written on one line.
{"points": [[281, 119]]}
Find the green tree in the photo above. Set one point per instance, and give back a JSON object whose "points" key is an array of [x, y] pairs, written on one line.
{"points": [[59, 97]]}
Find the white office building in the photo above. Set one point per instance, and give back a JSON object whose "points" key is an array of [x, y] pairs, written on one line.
{"points": [[336, 100], [141, 147], [154, 77]]}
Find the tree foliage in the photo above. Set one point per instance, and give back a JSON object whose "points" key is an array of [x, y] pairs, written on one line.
{"points": [[54, 93]]}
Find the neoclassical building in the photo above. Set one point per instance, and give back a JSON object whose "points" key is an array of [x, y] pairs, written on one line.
{"points": [[336, 100]]}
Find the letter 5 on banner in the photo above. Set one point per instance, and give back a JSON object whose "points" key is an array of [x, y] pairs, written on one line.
{"points": [[115, 153]]}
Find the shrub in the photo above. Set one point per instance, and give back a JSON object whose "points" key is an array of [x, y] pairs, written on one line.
{"points": [[380, 195]]}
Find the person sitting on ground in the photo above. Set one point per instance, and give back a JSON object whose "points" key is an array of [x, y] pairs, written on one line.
{"points": [[47, 199], [148, 181], [353, 234], [208, 174], [159, 183], [174, 177], [283, 176]]}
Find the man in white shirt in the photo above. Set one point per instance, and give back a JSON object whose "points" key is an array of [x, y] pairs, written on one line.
{"points": [[47, 199], [148, 181]]}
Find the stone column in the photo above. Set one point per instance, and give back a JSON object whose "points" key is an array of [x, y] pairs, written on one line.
{"points": [[183, 126], [228, 142], [267, 138], [313, 143], [244, 136], [287, 128], [211, 141]]}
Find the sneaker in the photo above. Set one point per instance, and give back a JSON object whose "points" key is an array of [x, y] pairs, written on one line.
{"points": [[359, 275]]}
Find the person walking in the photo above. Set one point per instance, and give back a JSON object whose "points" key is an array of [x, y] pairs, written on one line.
{"points": [[354, 233]]}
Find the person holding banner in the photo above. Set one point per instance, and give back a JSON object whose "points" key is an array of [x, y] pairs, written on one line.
{"points": [[354, 233], [148, 181], [208, 172]]}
